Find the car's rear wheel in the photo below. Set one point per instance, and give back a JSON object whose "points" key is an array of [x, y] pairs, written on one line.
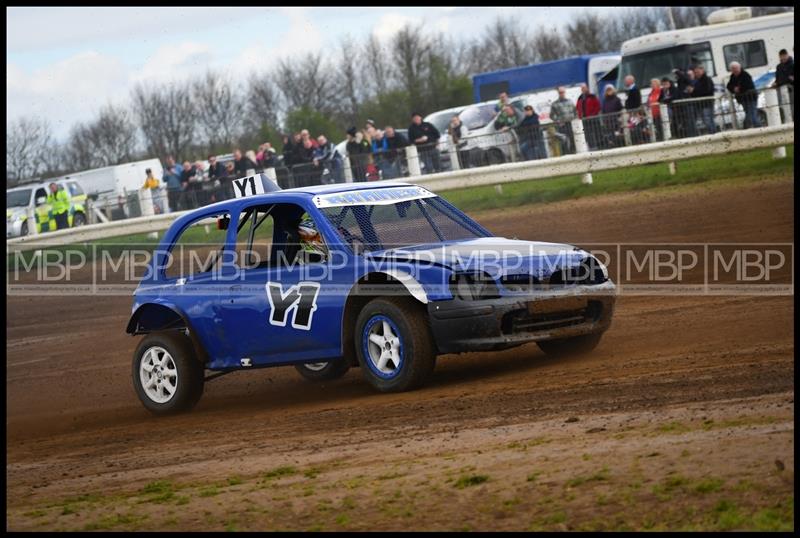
{"points": [[495, 156], [167, 376], [394, 345], [79, 219], [23, 230], [323, 371], [577, 345]]}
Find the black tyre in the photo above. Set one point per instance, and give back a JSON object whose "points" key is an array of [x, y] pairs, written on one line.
{"points": [[167, 376], [23, 230], [495, 156], [79, 219], [577, 345], [394, 345], [323, 371]]}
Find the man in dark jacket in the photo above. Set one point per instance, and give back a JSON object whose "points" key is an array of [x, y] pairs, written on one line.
{"points": [[742, 87], [704, 89], [634, 99], [588, 106], [784, 73], [425, 136], [358, 151], [531, 141], [215, 170], [241, 163]]}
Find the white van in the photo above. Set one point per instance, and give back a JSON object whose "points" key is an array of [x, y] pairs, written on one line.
{"points": [[111, 182]]}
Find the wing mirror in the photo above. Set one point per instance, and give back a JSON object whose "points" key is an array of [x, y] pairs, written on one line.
{"points": [[223, 222]]}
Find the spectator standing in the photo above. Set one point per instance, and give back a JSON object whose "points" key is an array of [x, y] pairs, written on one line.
{"points": [[288, 150], [502, 101], [667, 96], [704, 90], [215, 169], [172, 178], [327, 157], [742, 87], [634, 96], [588, 106], [458, 131], [150, 181], [380, 153], [531, 141], [685, 113], [611, 108], [397, 144], [425, 136], [653, 101], [189, 187], [506, 120], [59, 206], [241, 163], [358, 151], [784, 72], [562, 112]]}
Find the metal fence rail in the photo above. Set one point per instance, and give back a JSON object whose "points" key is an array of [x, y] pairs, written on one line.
{"points": [[582, 162]]}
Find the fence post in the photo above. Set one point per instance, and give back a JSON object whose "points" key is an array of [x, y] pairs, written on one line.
{"points": [[33, 229], [348, 172], [786, 103], [412, 156], [453, 152], [774, 118], [581, 146], [734, 116], [146, 202], [651, 124], [666, 129], [625, 130]]}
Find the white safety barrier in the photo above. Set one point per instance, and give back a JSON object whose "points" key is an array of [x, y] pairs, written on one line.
{"points": [[577, 164]]}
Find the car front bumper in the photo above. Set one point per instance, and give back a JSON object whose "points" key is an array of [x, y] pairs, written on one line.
{"points": [[484, 325]]}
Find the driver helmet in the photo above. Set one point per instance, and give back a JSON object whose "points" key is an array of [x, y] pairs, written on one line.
{"points": [[310, 239]]}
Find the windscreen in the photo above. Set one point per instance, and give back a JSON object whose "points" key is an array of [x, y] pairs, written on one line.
{"points": [[476, 117], [369, 228], [18, 198]]}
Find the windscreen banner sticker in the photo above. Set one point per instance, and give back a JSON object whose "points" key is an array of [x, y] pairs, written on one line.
{"points": [[384, 196], [248, 186], [300, 298]]}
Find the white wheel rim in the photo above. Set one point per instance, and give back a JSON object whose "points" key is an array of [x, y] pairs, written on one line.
{"points": [[384, 347], [315, 366], [158, 374]]}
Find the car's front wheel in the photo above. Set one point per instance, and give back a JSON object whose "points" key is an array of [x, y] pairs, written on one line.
{"points": [[167, 376], [575, 345], [394, 345], [323, 371]]}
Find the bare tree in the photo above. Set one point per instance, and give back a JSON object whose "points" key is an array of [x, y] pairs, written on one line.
{"points": [[220, 109], [28, 139], [584, 33], [166, 115], [263, 102], [549, 45], [306, 82], [79, 151], [409, 51], [377, 65], [113, 136], [348, 81]]}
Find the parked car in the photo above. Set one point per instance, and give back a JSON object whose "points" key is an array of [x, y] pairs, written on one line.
{"points": [[21, 200]]}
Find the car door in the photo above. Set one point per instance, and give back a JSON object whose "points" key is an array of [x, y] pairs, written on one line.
{"points": [[282, 306], [43, 221]]}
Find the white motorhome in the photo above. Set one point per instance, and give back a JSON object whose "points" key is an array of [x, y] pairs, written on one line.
{"points": [[730, 35]]}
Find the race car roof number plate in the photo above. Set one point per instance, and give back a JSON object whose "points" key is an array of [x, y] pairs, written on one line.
{"points": [[385, 196]]}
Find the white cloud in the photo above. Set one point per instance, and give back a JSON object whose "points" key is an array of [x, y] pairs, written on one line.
{"points": [[391, 23], [68, 91], [172, 62]]}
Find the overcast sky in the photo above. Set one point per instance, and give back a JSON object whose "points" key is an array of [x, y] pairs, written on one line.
{"points": [[66, 63]]}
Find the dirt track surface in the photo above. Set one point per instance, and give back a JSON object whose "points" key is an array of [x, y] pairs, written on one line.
{"points": [[682, 417]]}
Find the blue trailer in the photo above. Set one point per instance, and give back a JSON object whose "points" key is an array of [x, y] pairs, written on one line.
{"points": [[588, 69]]}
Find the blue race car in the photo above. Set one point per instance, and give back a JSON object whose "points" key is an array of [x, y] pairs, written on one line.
{"points": [[384, 275]]}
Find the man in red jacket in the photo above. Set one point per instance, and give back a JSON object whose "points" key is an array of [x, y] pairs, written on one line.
{"points": [[588, 106]]}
